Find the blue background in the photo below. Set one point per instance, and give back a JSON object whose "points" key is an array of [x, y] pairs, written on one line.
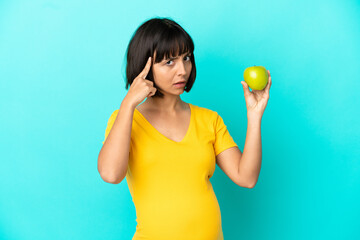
{"points": [[62, 74]]}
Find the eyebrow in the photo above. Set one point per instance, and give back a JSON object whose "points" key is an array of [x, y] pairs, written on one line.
{"points": [[172, 58]]}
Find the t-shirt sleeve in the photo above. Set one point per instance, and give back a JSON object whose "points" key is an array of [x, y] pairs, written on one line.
{"points": [[110, 123], [223, 139]]}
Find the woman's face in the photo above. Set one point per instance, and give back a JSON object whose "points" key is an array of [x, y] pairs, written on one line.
{"points": [[170, 71]]}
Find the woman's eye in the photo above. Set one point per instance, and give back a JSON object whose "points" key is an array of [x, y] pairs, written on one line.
{"points": [[170, 61]]}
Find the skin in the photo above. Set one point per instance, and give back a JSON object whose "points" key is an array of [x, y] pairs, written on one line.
{"points": [[244, 168], [169, 115], [166, 73]]}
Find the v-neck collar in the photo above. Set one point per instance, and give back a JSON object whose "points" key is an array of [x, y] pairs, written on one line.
{"points": [[163, 136]]}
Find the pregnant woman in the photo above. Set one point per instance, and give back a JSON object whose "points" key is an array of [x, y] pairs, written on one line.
{"points": [[166, 148]]}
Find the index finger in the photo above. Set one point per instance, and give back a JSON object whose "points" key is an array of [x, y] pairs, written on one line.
{"points": [[145, 71], [267, 88]]}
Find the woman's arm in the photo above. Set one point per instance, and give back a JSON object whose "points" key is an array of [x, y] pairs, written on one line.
{"points": [[114, 155], [244, 168], [256, 102], [250, 162]]}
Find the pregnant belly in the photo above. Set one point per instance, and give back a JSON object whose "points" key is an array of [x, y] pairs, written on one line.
{"points": [[183, 216]]}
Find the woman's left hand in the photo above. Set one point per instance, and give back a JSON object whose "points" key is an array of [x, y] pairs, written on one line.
{"points": [[256, 100]]}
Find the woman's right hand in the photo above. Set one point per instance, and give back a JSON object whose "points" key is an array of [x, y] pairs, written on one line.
{"points": [[140, 87]]}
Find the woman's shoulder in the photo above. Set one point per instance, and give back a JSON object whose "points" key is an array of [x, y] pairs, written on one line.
{"points": [[114, 114], [203, 111], [199, 111]]}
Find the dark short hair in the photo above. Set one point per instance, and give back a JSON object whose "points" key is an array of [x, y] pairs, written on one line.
{"points": [[163, 36]]}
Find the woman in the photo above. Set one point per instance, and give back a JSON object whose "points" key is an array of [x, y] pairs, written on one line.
{"points": [[166, 148]]}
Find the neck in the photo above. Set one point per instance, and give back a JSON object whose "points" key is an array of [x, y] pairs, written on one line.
{"points": [[167, 104]]}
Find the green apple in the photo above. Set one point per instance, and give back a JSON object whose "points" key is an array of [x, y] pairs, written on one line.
{"points": [[256, 77]]}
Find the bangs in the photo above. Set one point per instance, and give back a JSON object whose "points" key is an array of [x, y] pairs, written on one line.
{"points": [[164, 38], [173, 43]]}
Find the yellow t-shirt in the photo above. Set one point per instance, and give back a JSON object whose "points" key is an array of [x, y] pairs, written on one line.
{"points": [[169, 181]]}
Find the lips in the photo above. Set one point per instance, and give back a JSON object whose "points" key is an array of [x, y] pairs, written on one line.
{"points": [[180, 82]]}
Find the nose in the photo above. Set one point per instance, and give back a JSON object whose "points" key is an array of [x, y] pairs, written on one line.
{"points": [[181, 68]]}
